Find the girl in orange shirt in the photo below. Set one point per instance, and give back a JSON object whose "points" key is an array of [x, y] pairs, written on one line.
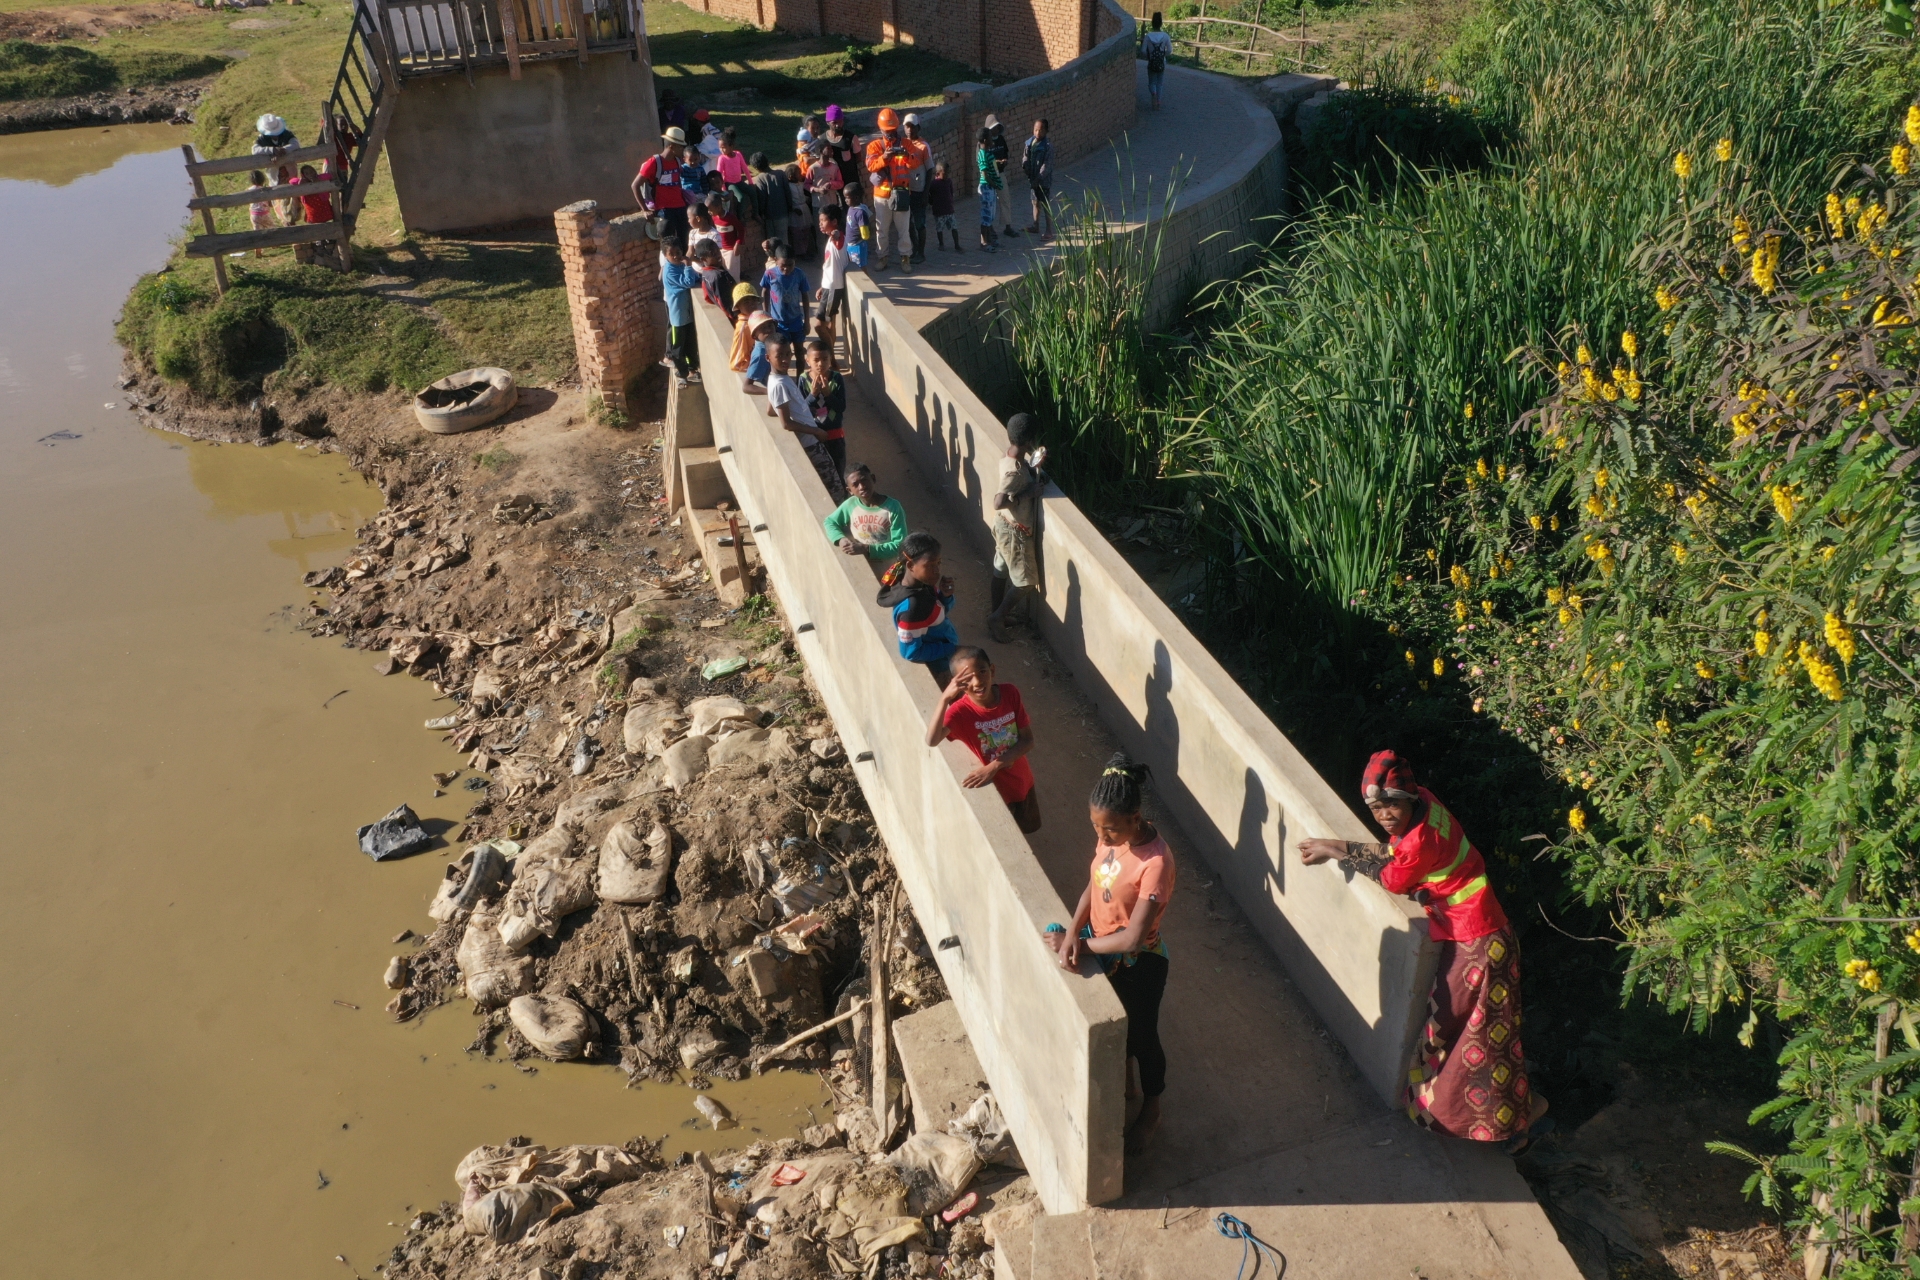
{"points": [[1118, 924]]}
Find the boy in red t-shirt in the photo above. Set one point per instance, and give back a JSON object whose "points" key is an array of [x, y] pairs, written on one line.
{"points": [[990, 720]]}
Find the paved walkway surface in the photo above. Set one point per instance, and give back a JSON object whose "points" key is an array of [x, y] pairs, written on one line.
{"points": [[1192, 133], [1265, 1117]]}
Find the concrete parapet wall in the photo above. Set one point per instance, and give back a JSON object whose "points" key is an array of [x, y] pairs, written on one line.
{"points": [[1053, 1045], [500, 150], [1231, 779], [614, 297], [1003, 37], [1213, 231]]}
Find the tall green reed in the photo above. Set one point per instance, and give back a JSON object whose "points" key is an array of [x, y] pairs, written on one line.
{"points": [[1079, 329], [1334, 386]]}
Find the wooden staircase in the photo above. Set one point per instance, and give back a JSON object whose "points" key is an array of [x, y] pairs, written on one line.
{"points": [[364, 92]]}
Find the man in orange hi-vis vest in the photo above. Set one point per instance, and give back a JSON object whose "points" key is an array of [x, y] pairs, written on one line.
{"points": [[891, 162]]}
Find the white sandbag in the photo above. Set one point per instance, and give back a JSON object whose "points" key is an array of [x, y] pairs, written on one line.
{"points": [[711, 717], [685, 760], [569, 1168], [652, 727], [489, 689], [549, 884], [986, 1129], [750, 746], [635, 870], [936, 1168], [507, 1213], [555, 1025], [491, 970]]}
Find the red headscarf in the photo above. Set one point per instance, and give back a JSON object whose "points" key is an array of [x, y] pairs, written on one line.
{"points": [[1388, 777]]}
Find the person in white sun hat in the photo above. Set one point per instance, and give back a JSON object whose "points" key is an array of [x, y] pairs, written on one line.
{"points": [[273, 140]]}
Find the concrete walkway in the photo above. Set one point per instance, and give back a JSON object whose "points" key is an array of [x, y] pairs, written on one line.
{"points": [[1265, 1117], [1194, 133]]}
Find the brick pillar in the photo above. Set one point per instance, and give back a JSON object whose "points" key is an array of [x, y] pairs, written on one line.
{"points": [[613, 296]]}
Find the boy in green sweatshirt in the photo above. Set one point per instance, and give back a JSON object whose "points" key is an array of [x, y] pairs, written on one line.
{"points": [[868, 523]]}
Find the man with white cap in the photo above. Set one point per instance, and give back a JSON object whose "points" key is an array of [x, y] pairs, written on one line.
{"points": [[658, 188], [917, 189]]}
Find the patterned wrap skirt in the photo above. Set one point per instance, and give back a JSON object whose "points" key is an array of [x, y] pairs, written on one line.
{"points": [[1469, 1079]]}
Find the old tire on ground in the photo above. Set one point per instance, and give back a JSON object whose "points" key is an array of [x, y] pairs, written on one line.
{"points": [[453, 405]]}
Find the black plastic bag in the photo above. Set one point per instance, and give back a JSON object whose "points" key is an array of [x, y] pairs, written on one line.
{"points": [[398, 833]]}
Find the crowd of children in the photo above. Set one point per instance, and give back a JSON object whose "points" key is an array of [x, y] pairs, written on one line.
{"points": [[846, 205]]}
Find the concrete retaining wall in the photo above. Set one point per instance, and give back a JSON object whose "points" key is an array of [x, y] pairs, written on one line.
{"points": [[500, 150], [1053, 1046], [1003, 37], [1212, 231], [1234, 783]]}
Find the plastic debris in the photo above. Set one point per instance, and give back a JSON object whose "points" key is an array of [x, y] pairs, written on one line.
{"points": [[396, 834], [722, 667]]}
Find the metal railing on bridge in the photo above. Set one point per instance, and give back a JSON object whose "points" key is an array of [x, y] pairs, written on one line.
{"points": [[458, 35]]}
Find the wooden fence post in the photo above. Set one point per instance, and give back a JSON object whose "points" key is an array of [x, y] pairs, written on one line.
{"points": [[206, 215], [1253, 35]]}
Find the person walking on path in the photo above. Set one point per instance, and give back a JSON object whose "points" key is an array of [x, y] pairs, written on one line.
{"points": [[940, 202], [1016, 510], [1036, 161], [843, 152], [784, 286], [1156, 46], [868, 523], [1118, 924], [989, 188], [658, 188], [990, 720], [830, 300], [892, 161], [1469, 1079], [917, 188], [997, 146]]}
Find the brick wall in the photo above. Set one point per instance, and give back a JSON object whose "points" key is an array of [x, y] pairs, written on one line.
{"points": [[1022, 37], [613, 295]]}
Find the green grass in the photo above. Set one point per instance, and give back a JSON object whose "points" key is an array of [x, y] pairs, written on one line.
{"points": [[764, 83], [30, 70]]}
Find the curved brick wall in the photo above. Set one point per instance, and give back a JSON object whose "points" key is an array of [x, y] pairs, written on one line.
{"points": [[1009, 38]]}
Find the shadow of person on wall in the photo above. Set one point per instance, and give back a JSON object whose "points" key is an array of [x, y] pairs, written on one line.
{"points": [[1250, 842], [1162, 728]]}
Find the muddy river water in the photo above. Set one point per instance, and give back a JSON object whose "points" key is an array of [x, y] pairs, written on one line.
{"points": [[197, 1076]]}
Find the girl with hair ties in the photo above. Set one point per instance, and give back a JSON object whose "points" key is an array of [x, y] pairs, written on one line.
{"points": [[1469, 1079], [1118, 924]]}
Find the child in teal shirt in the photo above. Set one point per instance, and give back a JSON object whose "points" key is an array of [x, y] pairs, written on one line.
{"points": [[869, 523]]}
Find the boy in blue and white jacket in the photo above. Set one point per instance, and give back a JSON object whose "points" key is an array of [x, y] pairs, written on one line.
{"points": [[922, 603], [678, 279]]}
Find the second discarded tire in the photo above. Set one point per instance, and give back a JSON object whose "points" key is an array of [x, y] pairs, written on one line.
{"points": [[465, 400]]}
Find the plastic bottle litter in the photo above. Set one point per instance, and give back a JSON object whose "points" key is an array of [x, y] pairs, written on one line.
{"points": [[715, 1111]]}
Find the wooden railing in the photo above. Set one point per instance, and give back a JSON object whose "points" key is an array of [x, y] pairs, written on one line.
{"points": [[431, 36], [1250, 50]]}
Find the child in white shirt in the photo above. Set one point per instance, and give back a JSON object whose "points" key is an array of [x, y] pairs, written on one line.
{"points": [[786, 402]]}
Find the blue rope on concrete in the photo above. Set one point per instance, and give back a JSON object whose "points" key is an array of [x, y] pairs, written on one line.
{"points": [[1251, 1246]]}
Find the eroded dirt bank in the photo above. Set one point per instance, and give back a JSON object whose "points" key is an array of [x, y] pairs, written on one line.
{"points": [[667, 863]]}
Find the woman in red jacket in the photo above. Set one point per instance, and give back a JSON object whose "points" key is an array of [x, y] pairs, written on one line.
{"points": [[1470, 1077]]}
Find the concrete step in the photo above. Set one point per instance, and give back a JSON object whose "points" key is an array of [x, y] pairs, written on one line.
{"points": [[944, 1078], [703, 482], [706, 527], [1063, 1247], [1013, 1253]]}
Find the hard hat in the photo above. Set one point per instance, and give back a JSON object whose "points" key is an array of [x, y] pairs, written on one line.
{"points": [[888, 120]]}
